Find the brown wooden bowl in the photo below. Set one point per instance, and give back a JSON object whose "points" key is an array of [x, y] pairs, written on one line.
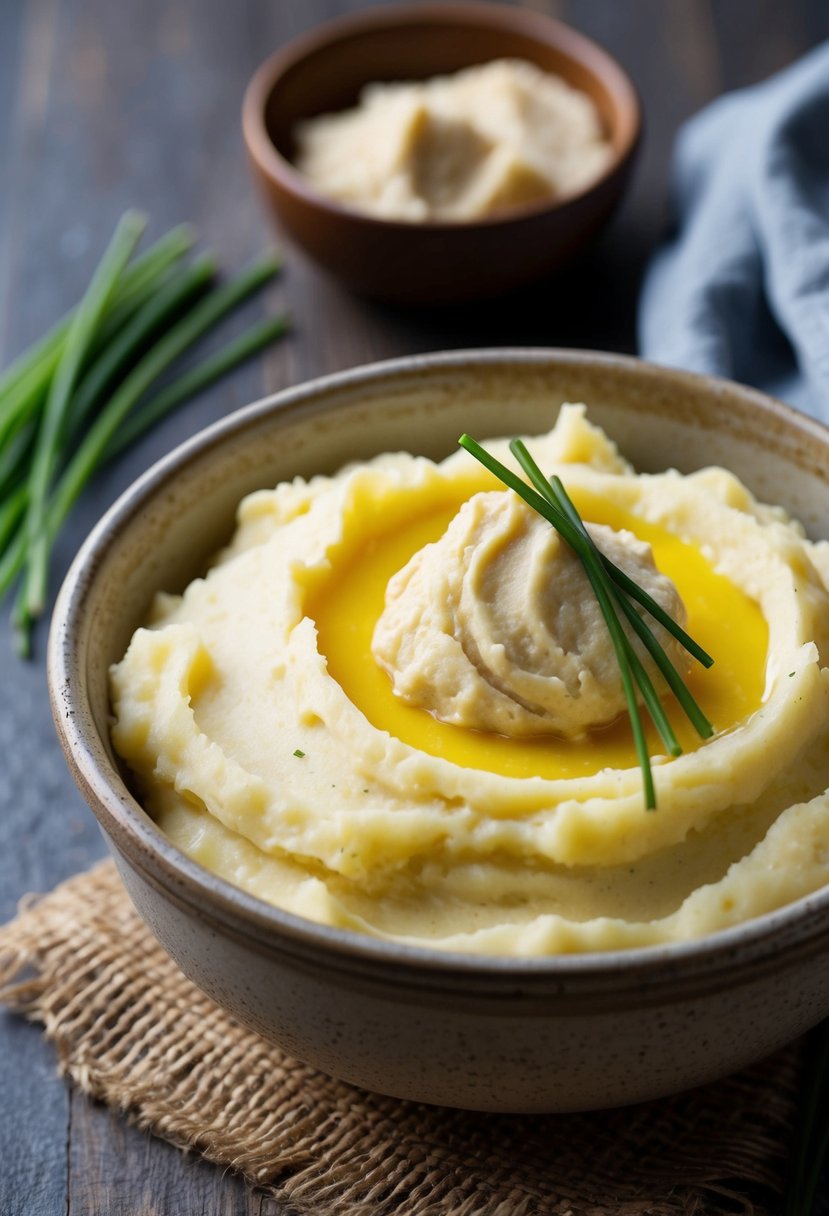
{"points": [[435, 261]]}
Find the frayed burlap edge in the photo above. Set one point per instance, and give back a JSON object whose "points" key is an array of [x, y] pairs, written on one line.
{"points": [[131, 1031]]}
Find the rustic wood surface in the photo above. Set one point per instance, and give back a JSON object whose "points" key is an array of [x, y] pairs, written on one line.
{"points": [[136, 103]]}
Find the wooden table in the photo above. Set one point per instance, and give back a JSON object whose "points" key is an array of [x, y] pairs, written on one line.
{"points": [[105, 105]]}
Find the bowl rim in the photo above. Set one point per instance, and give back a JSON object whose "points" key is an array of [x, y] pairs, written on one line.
{"points": [[131, 830], [573, 43]]}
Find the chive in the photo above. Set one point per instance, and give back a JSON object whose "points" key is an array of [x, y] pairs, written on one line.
{"points": [[554, 490], [182, 335], [172, 245], [135, 334], [22, 624], [65, 400], [552, 514], [649, 695], [143, 275], [27, 395], [14, 556], [27, 398], [550, 500], [24, 386], [672, 677], [658, 612], [31, 359], [102, 431], [555, 494], [561, 498], [11, 513], [82, 329], [598, 581], [594, 572], [14, 453], [198, 379], [632, 588], [179, 391]]}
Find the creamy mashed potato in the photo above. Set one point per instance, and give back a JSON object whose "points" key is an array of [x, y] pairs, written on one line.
{"points": [[460, 147], [495, 626], [266, 738]]}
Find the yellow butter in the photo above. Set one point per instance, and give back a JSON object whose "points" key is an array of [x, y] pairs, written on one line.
{"points": [[267, 744]]}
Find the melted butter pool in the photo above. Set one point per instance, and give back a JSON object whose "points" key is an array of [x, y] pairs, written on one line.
{"points": [[721, 617]]}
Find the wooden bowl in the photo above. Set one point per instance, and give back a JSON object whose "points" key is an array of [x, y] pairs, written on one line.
{"points": [[562, 1033], [435, 261]]}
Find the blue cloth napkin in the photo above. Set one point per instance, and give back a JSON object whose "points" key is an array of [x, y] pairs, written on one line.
{"points": [[742, 288]]}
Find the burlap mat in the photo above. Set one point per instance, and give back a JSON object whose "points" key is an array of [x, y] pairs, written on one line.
{"points": [[133, 1032]]}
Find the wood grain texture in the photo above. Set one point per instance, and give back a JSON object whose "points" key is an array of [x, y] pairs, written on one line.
{"points": [[115, 1168], [34, 1119], [108, 105]]}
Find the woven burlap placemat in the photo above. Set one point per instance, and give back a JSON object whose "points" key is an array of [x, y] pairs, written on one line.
{"points": [[131, 1031]]}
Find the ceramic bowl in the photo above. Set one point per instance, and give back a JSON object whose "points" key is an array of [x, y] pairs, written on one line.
{"points": [[431, 262], [554, 1034]]}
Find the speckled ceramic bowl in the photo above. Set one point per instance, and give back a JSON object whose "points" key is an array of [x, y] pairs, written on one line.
{"points": [[554, 1034]]}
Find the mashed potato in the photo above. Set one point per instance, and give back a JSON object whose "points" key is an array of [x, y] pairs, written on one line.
{"points": [[459, 147], [268, 742], [495, 626]]}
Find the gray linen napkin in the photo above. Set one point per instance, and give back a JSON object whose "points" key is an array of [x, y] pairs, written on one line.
{"points": [[742, 287]]}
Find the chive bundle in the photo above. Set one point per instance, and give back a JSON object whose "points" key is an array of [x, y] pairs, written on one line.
{"points": [[87, 389], [614, 591]]}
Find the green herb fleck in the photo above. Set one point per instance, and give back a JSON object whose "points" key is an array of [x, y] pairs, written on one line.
{"points": [[299, 754]]}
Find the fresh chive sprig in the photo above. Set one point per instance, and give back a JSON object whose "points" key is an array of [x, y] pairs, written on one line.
{"points": [[87, 389], [195, 381], [612, 588], [162, 305], [25, 383], [672, 677], [79, 337], [554, 491]]}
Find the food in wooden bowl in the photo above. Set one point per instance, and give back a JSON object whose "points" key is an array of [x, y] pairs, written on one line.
{"points": [[413, 239], [477, 143], [530, 933]]}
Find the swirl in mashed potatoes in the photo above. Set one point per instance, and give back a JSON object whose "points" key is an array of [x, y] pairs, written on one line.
{"points": [[389, 706]]}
